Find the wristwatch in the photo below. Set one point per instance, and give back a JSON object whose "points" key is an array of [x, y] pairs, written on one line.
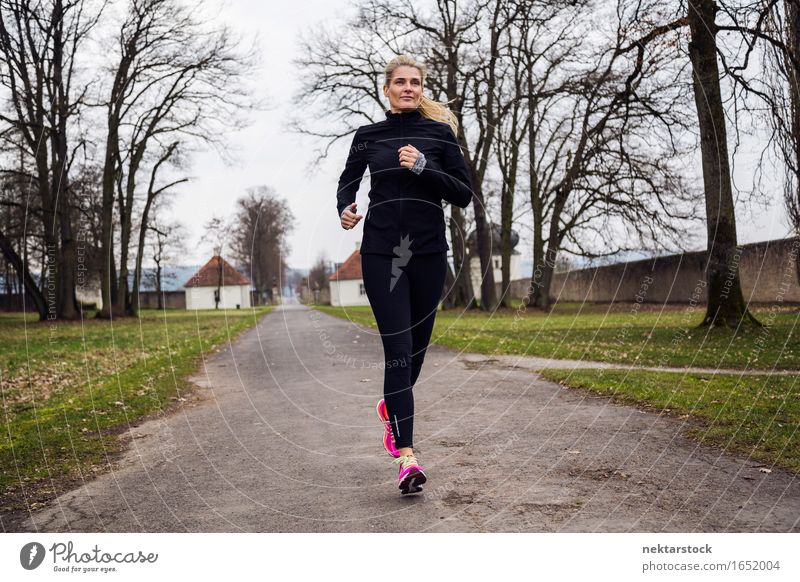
{"points": [[419, 164]]}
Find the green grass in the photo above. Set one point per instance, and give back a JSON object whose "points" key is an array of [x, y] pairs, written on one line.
{"points": [[757, 416], [621, 333], [70, 388], [754, 415]]}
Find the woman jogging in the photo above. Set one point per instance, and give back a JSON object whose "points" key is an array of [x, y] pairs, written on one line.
{"points": [[414, 163]]}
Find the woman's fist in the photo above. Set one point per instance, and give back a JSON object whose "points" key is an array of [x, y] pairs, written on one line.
{"points": [[349, 217], [408, 155]]}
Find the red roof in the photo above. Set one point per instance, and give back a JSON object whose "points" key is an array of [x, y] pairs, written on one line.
{"points": [[208, 275], [350, 269]]}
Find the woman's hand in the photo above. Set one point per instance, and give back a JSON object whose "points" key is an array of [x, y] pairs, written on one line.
{"points": [[408, 155], [349, 217]]}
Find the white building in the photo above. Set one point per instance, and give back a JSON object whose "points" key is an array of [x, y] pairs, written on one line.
{"points": [[347, 283], [217, 276]]}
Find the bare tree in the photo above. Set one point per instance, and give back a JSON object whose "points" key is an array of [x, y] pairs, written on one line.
{"points": [[259, 240], [177, 79], [604, 154], [19, 234], [152, 195], [39, 43], [513, 122], [510, 71], [320, 274], [351, 73], [726, 306], [789, 69], [166, 242], [768, 30], [217, 235]]}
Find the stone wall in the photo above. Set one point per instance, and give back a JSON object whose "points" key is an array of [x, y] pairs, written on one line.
{"points": [[172, 300], [768, 271]]}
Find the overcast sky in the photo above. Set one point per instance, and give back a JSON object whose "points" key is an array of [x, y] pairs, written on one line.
{"points": [[271, 155]]}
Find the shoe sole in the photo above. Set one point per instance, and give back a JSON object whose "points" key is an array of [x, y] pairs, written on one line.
{"points": [[412, 483], [384, 420]]}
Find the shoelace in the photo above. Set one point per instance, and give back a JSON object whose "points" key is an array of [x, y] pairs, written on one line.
{"points": [[406, 460]]}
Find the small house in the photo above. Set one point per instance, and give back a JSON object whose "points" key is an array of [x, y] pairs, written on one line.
{"points": [[217, 282], [347, 283]]}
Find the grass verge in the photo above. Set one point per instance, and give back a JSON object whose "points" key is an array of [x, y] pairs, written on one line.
{"points": [[69, 390], [646, 335], [752, 415], [757, 416]]}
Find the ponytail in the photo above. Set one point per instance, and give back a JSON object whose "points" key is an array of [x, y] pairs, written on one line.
{"points": [[439, 112]]}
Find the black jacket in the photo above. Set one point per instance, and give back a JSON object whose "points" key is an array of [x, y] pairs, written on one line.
{"points": [[401, 202]]}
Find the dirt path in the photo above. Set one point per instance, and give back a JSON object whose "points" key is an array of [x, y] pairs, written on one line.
{"points": [[534, 364], [286, 439]]}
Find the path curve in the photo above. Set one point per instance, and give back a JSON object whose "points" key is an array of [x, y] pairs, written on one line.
{"points": [[537, 364]]}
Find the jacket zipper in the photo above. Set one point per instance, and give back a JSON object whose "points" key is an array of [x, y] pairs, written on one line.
{"points": [[402, 194]]}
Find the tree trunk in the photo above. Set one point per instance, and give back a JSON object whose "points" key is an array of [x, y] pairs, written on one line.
{"points": [[448, 299], [537, 204], [506, 216], [111, 170], [67, 308], [67, 305], [543, 276], [484, 243], [726, 306], [792, 36], [537, 208], [461, 292], [123, 303], [29, 285], [218, 297], [107, 270], [137, 269], [122, 300], [545, 264], [50, 261], [507, 202], [160, 299]]}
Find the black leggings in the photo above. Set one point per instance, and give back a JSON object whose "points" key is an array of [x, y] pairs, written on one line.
{"points": [[404, 294]]}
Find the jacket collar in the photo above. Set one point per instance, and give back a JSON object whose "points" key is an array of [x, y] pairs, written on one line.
{"points": [[413, 114]]}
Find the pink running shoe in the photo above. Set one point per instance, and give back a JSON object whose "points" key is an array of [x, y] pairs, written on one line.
{"points": [[388, 437], [411, 477]]}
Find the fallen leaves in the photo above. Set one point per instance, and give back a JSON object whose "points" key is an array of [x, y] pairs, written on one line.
{"points": [[39, 379]]}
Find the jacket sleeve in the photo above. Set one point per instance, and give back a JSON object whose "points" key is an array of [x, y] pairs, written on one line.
{"points": [[451, 180], [350, 178]]}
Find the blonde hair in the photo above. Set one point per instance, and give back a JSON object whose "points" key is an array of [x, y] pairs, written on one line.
{"points": [[429, 108]]}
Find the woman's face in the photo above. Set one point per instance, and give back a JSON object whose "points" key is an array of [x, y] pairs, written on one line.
{"points": [[405, 89]]}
